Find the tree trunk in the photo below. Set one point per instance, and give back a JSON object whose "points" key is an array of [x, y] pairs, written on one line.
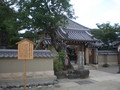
{"points": [[54, 41]]}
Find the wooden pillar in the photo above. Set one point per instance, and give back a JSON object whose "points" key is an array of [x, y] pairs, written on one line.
{"points": [[119, 61], [76, 51], [87, 55], [83, 48], [119, 54], [119, 57], [25, 77]]}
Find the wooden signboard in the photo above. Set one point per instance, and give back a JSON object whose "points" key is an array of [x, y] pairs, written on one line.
{"points": [[25, 49], [25, 52]]}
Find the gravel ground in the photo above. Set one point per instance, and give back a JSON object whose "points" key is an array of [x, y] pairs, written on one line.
{"points": [[110, 69], [35, 84]]}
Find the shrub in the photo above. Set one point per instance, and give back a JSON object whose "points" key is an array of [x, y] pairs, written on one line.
{"points": [[58, 65], [59, 62], [61, 55], [105, 65]]}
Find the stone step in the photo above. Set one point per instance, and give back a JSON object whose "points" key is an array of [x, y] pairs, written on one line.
{"points": [[75, 66], [91, 67]]}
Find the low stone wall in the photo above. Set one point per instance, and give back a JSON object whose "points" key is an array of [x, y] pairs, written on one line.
{"points": [[13, 68], [40, 67], [107, 57]]}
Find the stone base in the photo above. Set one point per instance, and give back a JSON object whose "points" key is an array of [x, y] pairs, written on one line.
{"points": [[61, 75], [73, 74], [82, 73], [20, 75]]}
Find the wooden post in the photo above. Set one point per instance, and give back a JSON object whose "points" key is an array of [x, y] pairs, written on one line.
{"points": [[25, 74], [25, 52]]}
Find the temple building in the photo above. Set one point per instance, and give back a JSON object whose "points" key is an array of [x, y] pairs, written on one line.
{"points": [[79, 43]]}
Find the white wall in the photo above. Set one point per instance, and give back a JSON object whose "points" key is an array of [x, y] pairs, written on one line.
{"points": [[109, 59], [11, 68]]}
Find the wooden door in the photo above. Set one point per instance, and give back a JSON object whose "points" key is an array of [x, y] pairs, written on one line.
{"points": [[91, 56]]}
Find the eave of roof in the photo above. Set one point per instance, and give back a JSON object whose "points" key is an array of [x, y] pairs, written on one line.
{"points": [[76, 35], [107, 52], [95, 44]]}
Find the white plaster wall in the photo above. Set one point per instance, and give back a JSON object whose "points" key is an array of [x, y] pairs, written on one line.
{"points": [[111, 59], [11, 68]]}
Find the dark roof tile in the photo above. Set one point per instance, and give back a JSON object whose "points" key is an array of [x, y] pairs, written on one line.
{"points": [[75, 31], [10, 53], [76, 26], [78, 35], [107, 52]]}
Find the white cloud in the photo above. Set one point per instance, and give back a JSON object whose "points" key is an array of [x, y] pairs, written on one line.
{"points": [[117, 1], [91, 12], [84, 10], [85, 6], [112, 16]]}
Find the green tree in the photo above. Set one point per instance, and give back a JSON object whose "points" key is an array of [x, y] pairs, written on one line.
{"points": [[30, 35], [59, 62], [45, 16], [97, 33], [8, 25], [106, 33]]}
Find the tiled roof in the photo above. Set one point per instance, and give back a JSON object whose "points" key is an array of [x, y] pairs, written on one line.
{"points": [[77, 35], [115, 43], [11, 53], [107, 52], [75, 31], [75, 26], [47, 41], [95, 44]]}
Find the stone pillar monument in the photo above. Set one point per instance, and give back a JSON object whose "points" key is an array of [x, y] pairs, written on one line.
{"points": [[81, 60]]}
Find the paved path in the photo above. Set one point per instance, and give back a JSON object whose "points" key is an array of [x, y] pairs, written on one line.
{"points": [[98, 80], [111, 69]]}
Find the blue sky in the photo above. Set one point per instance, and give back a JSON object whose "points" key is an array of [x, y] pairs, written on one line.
{"points": [[90, 12]]}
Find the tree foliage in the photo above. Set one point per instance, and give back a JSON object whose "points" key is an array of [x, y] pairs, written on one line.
{"points": [[97, 33], [107, 34], [8, 25], [44, 15], [59, 62], [33, 36]]}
